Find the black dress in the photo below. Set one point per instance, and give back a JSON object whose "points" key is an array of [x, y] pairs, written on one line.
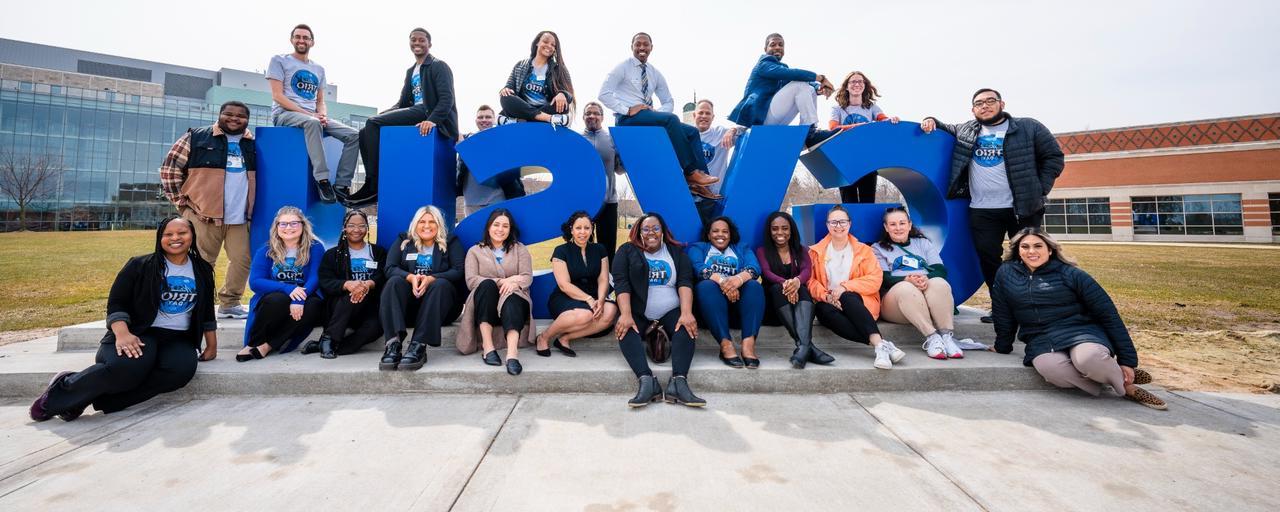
{"points": [[583, 273]]}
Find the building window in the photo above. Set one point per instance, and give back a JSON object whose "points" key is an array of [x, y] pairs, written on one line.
{"points": [[1083, 215], [1204, 214], [1274, 199]]}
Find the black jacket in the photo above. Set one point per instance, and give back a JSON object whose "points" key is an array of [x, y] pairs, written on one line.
{"points": [[511, 188], [450, 266], [437, 95], [631, 275], [1055, 308], [1032, 159], [135, 297], [520, 75], [335, 269]]}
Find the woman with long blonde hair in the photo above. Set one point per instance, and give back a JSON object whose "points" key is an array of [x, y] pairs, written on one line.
{"points": [[285, 279], [424, 285]]}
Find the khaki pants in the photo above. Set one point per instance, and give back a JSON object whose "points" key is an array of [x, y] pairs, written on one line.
{"points": [[1086, 366], [210, 239], [928, 311]]}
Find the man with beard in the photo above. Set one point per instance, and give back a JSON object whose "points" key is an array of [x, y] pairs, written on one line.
{"points": [[426, 101], [209, 176], [776, 93], [607, 220], [1006, 166], [297, 90]]}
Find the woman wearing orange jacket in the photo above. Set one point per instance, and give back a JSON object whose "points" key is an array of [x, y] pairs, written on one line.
{"points": [[846, 287]]}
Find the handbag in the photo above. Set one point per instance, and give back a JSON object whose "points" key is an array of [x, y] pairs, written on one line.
{"points": [[657, 345]]}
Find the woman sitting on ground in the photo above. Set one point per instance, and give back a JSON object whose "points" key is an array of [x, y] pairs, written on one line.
{"points": [[539, 88], [285, 279], [786, 267], [351, 278], [654, 282], [159, 307], [579, 302], [846, 283], [499, 271], [424, 286], [726, 280], [1074, 335], [915, 289]]}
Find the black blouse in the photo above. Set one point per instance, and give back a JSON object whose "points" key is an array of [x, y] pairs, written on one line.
{"points": [[583, 273]]}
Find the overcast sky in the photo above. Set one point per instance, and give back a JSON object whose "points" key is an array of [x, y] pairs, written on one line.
{"points": [[1073, 65]]}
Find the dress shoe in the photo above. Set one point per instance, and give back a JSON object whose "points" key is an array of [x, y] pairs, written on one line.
{"points": [[326, 347], [390, 356], [513, 366], [325, 189], [310, 347], [563, 349], [751, 362], [648, 392], [987, 319], [491, 358], [732, 362], [703, 191], [678, 392], [414, 356], [700, 178]]}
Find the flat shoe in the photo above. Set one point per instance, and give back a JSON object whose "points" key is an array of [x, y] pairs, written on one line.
{"points": [[563, 349], [732, 362], [1141, 376], [1145, 398], [513, 367], [491, 358], [751, 362]]}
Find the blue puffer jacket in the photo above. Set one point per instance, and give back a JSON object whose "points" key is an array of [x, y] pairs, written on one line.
{"points": [[1055, 308], [767, 78]]}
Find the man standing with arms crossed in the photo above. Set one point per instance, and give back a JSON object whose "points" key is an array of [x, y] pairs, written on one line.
{"points": [[297, 90], [1006, 166], [209, 176]]}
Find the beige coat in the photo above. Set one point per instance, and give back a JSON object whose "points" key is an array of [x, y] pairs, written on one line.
{"points": [[481, 266]]}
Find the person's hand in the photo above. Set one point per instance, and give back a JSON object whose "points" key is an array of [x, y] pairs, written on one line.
{"points": [[597, 306], [129, 346], [507, 285], [635, 109], [893, 120], [928, 125], [723, 283], [729, 138], [624, 323], [419, 284], [1128, 375], [733, 295], [324, 119], [560, 102], [424, 128], [298, 293], [689, 324], [295, 311], [352, 286], [210, 352], [358, 295], [792, 297], [506, 91], [791, 286], [834, 299]]}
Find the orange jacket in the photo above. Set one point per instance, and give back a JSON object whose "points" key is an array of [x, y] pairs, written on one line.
{"points": [[864, 276]]}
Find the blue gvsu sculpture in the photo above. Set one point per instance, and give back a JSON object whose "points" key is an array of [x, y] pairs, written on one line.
{"points": [[419, 170]]}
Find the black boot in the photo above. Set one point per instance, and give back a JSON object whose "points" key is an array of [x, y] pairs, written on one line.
{"points": [[414, 357], [804, 329], [678, 392], [649, 391], [390, 356], [310, 347], [800, 355], [327, 350]]}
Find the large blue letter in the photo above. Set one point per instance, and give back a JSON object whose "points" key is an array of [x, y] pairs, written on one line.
{"points": [[656, 178], [414, 171], [284, 178], [757, 180], [920, 166]]}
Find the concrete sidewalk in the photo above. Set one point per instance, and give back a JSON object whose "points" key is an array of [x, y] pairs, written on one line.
{"points": [[1005, 450]]}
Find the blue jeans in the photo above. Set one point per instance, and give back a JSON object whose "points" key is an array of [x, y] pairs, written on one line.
{"points": [[714, 308], [684, 138]]}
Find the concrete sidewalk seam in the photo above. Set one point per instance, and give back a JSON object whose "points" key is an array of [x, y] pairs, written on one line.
{"points": [[152, 411], [482, 457], [920, 454], [1206, 404]]}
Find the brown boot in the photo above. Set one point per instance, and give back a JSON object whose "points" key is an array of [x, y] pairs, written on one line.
{"points": [[700, 178], [1147, 399]]}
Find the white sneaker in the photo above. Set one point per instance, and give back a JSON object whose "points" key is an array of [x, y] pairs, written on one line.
{"points": [[949, 346], [504, 120], [883, 360], [238, 312], [933, 346], [895, 355], [559, 120]]}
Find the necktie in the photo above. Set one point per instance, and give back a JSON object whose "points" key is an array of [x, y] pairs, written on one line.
{"points": [[644, 83]]}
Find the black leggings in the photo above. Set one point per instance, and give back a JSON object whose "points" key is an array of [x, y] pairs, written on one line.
{"points": [[515, 310], [514, 106], [361, 316], [853, 323], [274, 326], [438, 306], [861, 191], [632, 347], [167, 364]]}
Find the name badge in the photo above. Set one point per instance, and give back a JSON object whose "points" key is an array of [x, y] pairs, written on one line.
{"points": [[371, 265], [413, 256], [910, 262]]}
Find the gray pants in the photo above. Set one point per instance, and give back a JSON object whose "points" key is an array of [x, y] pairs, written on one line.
{"points": [[1086, 366], [313, 132]]}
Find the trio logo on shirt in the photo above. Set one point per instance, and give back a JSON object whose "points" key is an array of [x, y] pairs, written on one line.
{"points": [[360, 269], [305, 84], [990, 150], [708, 151], [417, 88], [722, 264], [235, 158], [535, 89], [288, 272], [422, 264], [659, 272], [907, 263], [179, 295], [855, 118]]}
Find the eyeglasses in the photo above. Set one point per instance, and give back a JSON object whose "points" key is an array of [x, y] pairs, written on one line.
{"points": [[837, 223], [990, 102], [651, 231], [859, 82], [358, 227], [289, 224]]}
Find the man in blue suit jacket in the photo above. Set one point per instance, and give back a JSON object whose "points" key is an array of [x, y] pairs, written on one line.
{"points": [[776, 93]]}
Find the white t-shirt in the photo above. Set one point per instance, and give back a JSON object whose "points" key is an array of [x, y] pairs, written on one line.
{"points": [[854, 113], [988, 179], [177, 297], [838, 264], [663, 296], [235, 187], [362, 263], [717, 157]]}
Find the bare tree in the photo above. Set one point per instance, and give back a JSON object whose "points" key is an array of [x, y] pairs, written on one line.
{"points": [[27, 180]]}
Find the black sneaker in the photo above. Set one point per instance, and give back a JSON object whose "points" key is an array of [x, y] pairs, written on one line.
{"points": [[326, 191], [987, 320]]}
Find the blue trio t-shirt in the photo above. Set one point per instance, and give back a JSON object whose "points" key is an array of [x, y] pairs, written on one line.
{"points": [[855, 113], [663, 296], [301, 81], [422, 260], [177, 298], [235, 188], [535, 86], [720, 262], [416, 82], [289, 271], [362, 263]]}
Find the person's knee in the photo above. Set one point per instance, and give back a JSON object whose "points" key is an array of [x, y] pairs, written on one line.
{"points": [[1089, 355], [178, 376], [706, 286], [1053, 370], [444, 287], [310, 124], [275, 299], [487, 286]]}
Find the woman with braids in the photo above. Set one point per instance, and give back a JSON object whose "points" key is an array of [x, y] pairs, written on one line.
{"points": [[159, 308], [351, 278], [539, 88], [856, 106], [285, 279]]}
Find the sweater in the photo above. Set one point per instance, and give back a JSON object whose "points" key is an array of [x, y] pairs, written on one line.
{"points": [[262, 282]]}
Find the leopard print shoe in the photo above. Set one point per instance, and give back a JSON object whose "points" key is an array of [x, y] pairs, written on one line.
{"points": [[1147, 399], [1141, 376]]}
